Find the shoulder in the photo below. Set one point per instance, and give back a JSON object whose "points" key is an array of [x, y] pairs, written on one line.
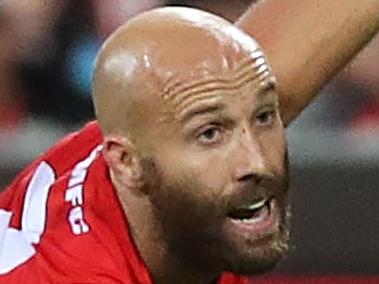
{"points": [[73, 148], [42, 209], [35, 182]]}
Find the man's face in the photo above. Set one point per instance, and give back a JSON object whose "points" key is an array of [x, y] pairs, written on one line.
{"points": [[218, 170]]}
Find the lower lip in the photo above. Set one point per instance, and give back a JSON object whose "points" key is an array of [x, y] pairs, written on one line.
{"points": [[265, 224]]}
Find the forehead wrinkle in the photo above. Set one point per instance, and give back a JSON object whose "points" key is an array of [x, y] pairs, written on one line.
{"points": [[224, 86], [216, 96], [180, 113], [204, 108], [180, 91], [173, 87], [193, 97], [169, 86], [171, 92], [201, 97], [250, 62]]}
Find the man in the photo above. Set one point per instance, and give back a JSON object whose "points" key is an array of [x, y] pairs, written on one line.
{"points": [[194, 150]]}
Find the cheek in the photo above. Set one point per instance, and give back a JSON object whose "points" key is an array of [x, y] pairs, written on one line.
{"points": [[190, 195], [185, 201], [275, 147], [212, 169], [207, 169]]}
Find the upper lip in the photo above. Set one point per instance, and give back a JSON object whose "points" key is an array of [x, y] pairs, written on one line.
{"points": [[245, 194]]}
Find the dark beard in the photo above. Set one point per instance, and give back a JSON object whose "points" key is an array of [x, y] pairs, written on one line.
{"points": [[265, 260], [191, 227]]}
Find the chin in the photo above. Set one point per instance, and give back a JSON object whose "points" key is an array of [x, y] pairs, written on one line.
{"points": [[257, 265], [258, 259], [249, 254]]}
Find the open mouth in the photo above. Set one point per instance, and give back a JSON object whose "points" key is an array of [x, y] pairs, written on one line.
{"points": [[253, 212], [258, 217]]}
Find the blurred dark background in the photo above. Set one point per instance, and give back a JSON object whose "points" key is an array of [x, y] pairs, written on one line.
{"points": [[47, 48]]}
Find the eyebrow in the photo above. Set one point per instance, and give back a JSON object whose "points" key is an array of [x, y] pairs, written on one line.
{"points": [[201, 110]]}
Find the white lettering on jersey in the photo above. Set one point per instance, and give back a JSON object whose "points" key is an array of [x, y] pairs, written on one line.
{"points": [[74, 194], [16, 246]]}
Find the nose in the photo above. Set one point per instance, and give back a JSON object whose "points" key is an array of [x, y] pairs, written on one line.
{"points": [[252, 161]]}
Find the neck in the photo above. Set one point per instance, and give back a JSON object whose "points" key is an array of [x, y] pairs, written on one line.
{"points": [[164, 265]]}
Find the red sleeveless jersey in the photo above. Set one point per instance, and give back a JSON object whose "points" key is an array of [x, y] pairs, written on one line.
{"points": [[61, 221]]}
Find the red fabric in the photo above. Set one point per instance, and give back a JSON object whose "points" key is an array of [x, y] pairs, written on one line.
{"points": [[106, 253]]}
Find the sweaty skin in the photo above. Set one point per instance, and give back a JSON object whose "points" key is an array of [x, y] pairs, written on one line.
{"points": [[192, 135]]}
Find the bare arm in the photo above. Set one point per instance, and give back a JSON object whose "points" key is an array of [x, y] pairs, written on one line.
{"points": [[309, 41]]}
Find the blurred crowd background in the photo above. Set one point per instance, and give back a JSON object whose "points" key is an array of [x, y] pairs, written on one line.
{"points": [[47, 48]]}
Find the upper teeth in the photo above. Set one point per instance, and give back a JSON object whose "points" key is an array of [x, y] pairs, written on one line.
{"points": [[256, 205]]}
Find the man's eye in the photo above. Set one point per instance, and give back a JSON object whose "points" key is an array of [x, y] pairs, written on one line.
{"points": [[266, 117], [210, 135]]}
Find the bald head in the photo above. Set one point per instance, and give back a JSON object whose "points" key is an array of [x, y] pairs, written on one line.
{"points": [[160, 55]]}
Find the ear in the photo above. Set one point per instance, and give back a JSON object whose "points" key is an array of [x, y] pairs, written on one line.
{"points": [[123, 161]]}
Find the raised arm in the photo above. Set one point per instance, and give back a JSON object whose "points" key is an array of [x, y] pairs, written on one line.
{"points": [[309, 41]]}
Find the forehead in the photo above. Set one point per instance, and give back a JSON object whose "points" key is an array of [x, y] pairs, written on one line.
{"points": [[193, 61], [211, 72], [228, 73], [197, 51], [223, 58], [187, 43], [169, 46]]}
